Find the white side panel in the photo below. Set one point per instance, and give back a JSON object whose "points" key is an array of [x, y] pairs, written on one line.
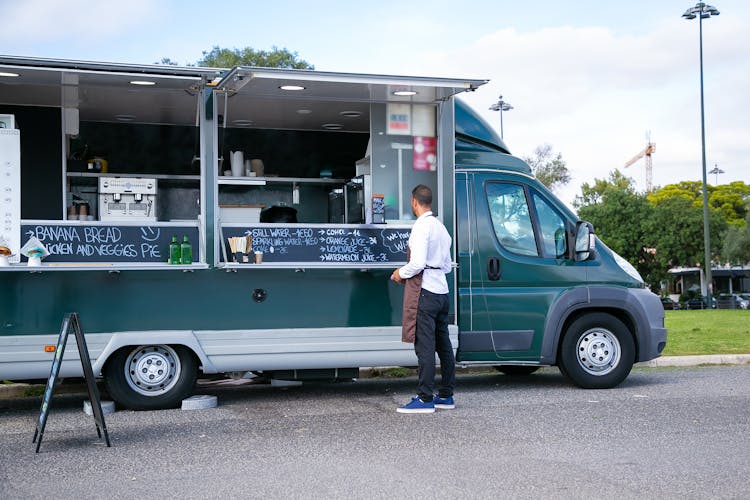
{"points": [[305, 348], [23, 357]]}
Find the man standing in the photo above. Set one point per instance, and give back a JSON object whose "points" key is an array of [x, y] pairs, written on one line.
{"points": [[425, 315]]}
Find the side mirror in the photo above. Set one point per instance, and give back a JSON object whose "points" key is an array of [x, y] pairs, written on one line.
{"points": [[585, 241]]}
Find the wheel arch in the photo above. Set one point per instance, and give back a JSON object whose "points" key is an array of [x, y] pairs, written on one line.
{"points": [[185, 338], [575, 303], [617, 313]]}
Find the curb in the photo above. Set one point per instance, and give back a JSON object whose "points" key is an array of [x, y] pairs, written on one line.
{"points": [[21, 390], [24, 390], [714, 359]]}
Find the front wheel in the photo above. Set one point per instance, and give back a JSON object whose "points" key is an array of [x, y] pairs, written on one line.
{"points": [[597, 351], [150, 377]]}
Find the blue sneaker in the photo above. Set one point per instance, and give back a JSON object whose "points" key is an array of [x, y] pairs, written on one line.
{"points": [[444, 403], [417, 406]]}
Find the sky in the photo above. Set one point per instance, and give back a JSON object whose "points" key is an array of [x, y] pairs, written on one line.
{"points": [[590, 78]]}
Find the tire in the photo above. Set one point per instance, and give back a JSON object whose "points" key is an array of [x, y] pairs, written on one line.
{"points": [[597, 351], [150, 377], [516, 370]]}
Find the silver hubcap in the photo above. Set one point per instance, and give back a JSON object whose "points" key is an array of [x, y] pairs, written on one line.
{"points": [[598, 351], [152, 370]]}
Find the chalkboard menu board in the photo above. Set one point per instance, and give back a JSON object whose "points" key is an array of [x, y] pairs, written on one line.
{"points": [[109, 242], [325, 245]]}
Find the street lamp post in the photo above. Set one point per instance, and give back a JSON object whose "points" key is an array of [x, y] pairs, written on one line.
{"points": [[501, 106], [716, 171], [703, 11]]}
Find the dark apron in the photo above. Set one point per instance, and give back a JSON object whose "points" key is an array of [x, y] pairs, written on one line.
{"points": [[412, 288]]}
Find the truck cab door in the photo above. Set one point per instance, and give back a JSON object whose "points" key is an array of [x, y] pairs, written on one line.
{"points": [[519, 266]]}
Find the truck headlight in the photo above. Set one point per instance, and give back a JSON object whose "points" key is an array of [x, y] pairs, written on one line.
{"points": [[627, 267]]}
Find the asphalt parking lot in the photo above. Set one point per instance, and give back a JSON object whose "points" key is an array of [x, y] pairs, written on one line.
{"points": [[665, 432]]}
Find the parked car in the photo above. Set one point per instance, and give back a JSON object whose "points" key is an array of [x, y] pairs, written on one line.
{"points": [[732, 301], [743, 299], [669, 304], [700, 302]]}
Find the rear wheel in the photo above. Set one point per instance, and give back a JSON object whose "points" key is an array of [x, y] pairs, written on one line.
{"points": [[150, 377], [517, 370], [597, 351]]}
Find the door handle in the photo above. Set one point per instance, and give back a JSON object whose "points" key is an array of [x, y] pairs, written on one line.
{"points": [[494, 269]]}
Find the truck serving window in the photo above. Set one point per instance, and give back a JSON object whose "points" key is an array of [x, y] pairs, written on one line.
{"points": [[511, 219]]}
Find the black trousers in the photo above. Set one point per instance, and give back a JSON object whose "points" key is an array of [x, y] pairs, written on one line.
{"points": [[432, 337]]}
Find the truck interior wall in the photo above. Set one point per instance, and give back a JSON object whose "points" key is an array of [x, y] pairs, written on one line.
{"points": [[294, 153], [41, 157], [392, 160], [137, 148], [313, 206]]}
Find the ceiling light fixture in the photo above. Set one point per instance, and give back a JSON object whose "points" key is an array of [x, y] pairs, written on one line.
{"points": [[142, 82], [242, 123], [304, 111], [404, 92], [125, 118], [12, 75], [332, 126], [292, 87], [351, 114]]}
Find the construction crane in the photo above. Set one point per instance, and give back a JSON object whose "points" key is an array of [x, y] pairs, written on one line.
{"points": [[647, 152]]}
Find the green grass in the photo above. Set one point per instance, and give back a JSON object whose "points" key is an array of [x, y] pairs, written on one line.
{"points": [[395, 372], [718, 331], [34, 391]]}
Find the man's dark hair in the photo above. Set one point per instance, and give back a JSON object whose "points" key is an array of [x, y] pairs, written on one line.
{"points": [[423, 195]]}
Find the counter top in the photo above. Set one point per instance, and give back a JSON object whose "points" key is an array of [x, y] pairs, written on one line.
{"points": [[102, 266], [119, 223], [301, 266]]}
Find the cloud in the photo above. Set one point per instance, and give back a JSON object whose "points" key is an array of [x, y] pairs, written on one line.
{"points": [[593, 95]]}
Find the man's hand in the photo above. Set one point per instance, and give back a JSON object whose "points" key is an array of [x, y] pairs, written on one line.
{"points": [[397, 277]]}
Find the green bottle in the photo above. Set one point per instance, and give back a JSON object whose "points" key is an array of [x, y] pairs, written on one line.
{"points": [[174, 251], [186, 251]]}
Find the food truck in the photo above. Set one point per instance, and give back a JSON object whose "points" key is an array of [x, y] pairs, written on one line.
{"points": [[208, 220]]}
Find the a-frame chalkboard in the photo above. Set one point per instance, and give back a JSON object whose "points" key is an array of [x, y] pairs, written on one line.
{"points": [[71, 322]]}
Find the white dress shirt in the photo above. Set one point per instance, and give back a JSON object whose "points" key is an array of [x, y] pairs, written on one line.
{"points": [[430, 246]]}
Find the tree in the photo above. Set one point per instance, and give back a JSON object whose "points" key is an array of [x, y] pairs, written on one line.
{"points": [[618, 221], [664, 229], [677, 226], [595, 194], [551, 170], [730, 199], [275, 58], [736, 245], [167, 62]]}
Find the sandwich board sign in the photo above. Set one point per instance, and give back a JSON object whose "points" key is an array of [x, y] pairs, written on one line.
{"points": [[71, 322]]}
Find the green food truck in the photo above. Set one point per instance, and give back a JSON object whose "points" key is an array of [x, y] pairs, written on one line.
{"points": [[208, 220]]}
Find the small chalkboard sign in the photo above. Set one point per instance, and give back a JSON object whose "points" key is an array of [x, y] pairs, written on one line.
{"points": [[71, 322], [378, 209], [109, 242], [335, 244]]}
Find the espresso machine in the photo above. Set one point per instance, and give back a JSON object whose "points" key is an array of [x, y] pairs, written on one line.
{"points": [[127, 199]]}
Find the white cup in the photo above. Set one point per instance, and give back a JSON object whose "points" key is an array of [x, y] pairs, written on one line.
{"points": [[237, 160]]}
